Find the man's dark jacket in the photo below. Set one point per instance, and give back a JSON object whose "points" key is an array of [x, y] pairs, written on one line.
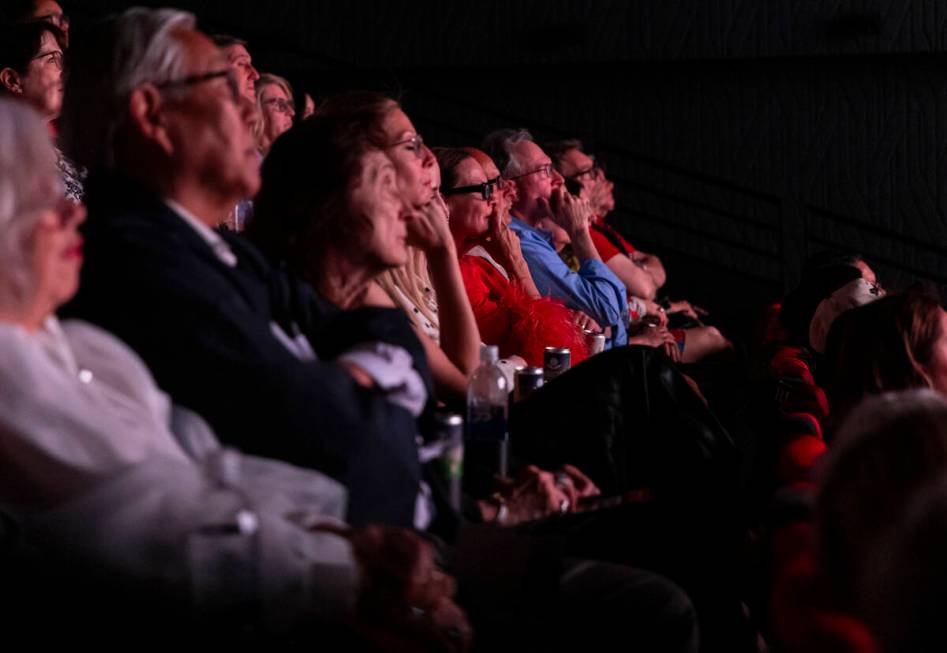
{"points": [[205, 331]]}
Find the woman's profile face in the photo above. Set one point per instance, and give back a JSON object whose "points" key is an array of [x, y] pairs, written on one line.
{"points": [[412, 159], [42, 83], [374, 197], [55, 253], [469, 212]]}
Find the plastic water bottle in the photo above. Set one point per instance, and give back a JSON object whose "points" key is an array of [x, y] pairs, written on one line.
{"points": [[487, 403]]}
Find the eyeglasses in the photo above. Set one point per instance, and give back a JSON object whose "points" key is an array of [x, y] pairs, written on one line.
{"points": [[485, 189], [415, 145], [281, 105], [193, 80], [545, 171], [55, 57]]}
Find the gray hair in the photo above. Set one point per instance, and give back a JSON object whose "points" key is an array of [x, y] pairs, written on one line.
{"points": [[122, 53], [499, 145], [29, 182]]}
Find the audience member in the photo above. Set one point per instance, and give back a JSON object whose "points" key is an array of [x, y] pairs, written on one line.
{"points": [[241, 62], [104, 474], [880, 498], [639, 271], [895, 343], [509, 308], [153, 109], [31, 69], [594, 289], [275, 98]]}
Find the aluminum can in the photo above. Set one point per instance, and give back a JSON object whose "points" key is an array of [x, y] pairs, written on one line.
{"points": [[556, 360], [595, 342], [450, 431], [525, 381]]}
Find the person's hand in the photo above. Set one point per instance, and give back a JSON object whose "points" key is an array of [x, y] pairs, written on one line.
{"points": [[405, 602], [584, 486], [536, 494], [673, 351], [585, 322], [688, 309], [559, 236], [428, 229], [569, 212], [501, 242], [652, 308], [656, 336]]}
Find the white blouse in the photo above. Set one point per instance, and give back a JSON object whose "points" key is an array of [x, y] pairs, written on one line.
{"points": [[91, 468]]}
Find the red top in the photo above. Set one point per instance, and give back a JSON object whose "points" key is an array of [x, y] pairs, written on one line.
{"points": [[606, 248], [514, 321]]}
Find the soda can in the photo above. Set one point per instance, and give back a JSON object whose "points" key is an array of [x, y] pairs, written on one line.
{"points": [[450, 431], [556, 360], [595, 342], [526, 381]]}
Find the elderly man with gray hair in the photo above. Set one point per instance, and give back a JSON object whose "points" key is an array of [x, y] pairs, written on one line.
{"points": [[594, 289], [153, 110]]}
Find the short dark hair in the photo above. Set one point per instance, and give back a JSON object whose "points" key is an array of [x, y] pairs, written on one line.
{"points": [[558, 149], [881, 347], [301, 211], [448, 158], [227, 40], [21, 42]]}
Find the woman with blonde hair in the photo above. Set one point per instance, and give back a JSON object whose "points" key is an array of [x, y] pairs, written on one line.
{"points": [[274, 96]]}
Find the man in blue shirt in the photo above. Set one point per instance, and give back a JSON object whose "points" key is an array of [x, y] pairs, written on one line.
{"points": [[594, 289]]}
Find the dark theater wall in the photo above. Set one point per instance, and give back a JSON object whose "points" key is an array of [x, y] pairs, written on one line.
{"points": [[744, 135]]}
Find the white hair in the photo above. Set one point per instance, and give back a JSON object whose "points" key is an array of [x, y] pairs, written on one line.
{"points": [[29, 182], [499, 146], [119, 55]]}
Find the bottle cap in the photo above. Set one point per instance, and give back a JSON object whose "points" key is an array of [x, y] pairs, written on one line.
{"points": [[489, 353]]}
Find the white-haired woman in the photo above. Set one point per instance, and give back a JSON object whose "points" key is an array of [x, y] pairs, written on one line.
{"points": [[97, 466]]}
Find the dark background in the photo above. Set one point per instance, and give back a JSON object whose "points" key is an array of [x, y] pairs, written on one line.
{"points": [[743, 135]]}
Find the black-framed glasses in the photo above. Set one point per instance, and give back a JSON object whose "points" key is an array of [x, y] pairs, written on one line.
{"points": [[55, 57], [584, 173], [283, 106], [415, 145], [544, 170], [485, 189], [193, 80]]}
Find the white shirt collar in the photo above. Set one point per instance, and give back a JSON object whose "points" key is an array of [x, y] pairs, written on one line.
{"points": [[221, 249]]}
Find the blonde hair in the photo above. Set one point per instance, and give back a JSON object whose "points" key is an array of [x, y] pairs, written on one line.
{"points": [[269, 79], [413, 280]]}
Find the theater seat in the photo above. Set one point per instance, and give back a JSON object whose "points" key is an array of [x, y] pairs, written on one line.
{"points": [[800, 397], [797, 457]]}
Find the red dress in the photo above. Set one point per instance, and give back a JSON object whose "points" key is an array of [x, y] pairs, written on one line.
{"points": [[515, 322]]}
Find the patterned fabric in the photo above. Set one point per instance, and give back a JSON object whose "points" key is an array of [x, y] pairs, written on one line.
{"points": [[73, 178]]}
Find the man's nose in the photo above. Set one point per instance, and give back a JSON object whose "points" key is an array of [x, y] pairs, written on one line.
{"points": [[556, 179]]}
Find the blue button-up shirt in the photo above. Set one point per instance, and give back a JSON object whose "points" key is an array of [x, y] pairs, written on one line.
{"points": [[594, 289]]}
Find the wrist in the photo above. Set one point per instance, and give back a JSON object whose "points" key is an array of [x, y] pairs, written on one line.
{"points": [[442, 251]]}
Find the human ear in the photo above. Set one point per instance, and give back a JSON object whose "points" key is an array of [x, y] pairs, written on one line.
{"points": [[10, 79], [145, 110]]}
